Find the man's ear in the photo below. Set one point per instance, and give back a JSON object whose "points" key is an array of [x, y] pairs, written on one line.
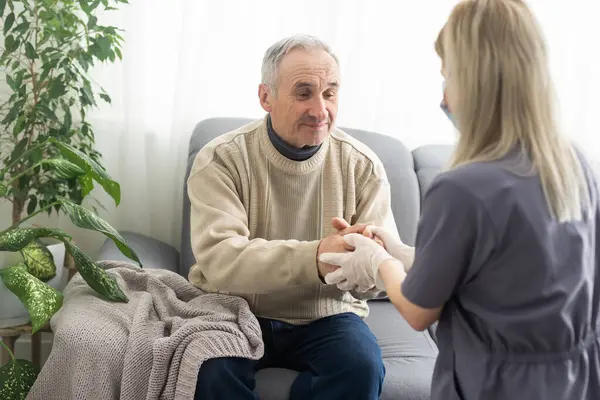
{"points": [[264, 95]]}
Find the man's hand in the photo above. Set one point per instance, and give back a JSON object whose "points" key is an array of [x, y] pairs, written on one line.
{"points": [[333, 243], [359, 268], [344, 228]]}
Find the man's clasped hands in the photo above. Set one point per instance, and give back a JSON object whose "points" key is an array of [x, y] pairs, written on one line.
{"points": [[351, 257]]}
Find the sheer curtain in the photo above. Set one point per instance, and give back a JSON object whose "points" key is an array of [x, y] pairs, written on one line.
{"points": [[187, 60]]}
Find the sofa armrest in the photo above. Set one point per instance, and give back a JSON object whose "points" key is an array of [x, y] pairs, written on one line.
{"points": [[152, 253]]}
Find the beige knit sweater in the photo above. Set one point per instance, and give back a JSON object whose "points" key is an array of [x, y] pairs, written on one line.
{"points": [[257, 219]]}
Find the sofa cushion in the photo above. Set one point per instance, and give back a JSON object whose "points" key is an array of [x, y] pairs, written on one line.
{"points": [[274, 383], [408, 356], [394, 155], [429, 161], [152, 252]]}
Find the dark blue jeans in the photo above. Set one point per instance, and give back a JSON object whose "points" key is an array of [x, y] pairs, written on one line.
{"points": [[337, 357]]}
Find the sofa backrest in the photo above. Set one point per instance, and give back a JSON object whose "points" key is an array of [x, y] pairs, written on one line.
{"points": [[402, 170], [429, 160]]}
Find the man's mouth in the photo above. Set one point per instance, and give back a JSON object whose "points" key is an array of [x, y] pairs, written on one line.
{"points": [[317, 126]]}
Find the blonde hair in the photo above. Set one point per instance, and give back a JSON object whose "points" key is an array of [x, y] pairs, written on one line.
{"points": [[500, 91]]}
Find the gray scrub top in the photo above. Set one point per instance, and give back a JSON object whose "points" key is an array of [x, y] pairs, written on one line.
{"points": [[520, 291]]}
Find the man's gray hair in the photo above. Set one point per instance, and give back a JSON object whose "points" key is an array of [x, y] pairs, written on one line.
{"points": [[276, 53]]}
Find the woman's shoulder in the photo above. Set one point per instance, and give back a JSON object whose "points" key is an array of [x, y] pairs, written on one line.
{"points": [[487, 181]]}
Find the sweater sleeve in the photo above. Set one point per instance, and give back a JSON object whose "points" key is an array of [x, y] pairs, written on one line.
{"points": [[374, 207], [226, 259]]}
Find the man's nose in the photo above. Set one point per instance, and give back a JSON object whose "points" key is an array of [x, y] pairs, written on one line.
{"points": [[318, 109]]}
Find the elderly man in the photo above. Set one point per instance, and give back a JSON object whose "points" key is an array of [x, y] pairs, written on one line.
{"points": [[263, 199]]}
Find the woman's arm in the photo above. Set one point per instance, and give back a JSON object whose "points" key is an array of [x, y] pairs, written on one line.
{"points": [[454, 227], [392, 274]]}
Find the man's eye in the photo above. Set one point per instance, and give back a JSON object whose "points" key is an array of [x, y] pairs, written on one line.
{"points": [[304, 95], [329, 95]]}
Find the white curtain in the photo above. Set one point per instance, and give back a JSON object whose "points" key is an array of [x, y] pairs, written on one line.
{"points": [[187, 60]]}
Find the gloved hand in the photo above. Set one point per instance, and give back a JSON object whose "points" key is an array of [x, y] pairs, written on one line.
{"points": [[359, 268], [394, 246]]}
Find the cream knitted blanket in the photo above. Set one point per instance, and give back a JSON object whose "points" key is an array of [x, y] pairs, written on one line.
{"points": [[149, 348]]}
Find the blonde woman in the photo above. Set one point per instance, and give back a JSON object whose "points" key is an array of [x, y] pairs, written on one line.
{"points": [[506, 254]]}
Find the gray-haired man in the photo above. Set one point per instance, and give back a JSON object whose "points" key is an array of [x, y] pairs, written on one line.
{"points": [[263, 200]]}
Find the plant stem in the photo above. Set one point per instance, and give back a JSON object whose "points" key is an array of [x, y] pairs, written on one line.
{"points": [[41, 210], [18, 206], [12, 164], [35, 88], [24, 172], [12, 356]]}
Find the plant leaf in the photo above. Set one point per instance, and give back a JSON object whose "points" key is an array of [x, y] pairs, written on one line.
{"points": [[39, 260], [22, 27], [103, 48], [16, 239], [11, 82], [87, 184], [84, 218], [47, 112], [19, 125], [31, 205], [18, 150], [9, 44], [42, 301], [3, 190], [97, 278], [92, 22], [57, 89], [64, 169], [30, 51], [68, 121], [16, 379], [8, 22], [92, 167], [2, 5], [105, 97]]}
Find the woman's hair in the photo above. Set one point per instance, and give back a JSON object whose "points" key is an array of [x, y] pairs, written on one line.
{"points": [[501, 95]]}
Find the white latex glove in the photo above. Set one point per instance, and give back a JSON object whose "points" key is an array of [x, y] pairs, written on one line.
{"points": [[337, 278], [359, 268], [394, 246]]}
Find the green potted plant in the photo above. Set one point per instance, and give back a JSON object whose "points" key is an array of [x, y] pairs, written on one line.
{"points": [[48, 163]]}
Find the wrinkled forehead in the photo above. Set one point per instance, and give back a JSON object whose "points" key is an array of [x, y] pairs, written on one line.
{"points": [[315, 68]]}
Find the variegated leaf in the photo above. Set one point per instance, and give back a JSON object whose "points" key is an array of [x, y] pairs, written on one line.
{"points": [[42, 301], [39, 260], [97, 278], [87, 184], [91, 167], [16, 379], [64, 169], [84, 218], [17, 238]]}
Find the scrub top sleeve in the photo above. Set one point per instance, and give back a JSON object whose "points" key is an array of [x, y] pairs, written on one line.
{"points": [[448, 231]]}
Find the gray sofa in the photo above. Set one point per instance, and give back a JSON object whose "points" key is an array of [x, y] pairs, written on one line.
{"points": [[409, 356]]}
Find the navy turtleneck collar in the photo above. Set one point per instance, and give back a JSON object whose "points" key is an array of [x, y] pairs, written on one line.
{"points": [[287, 150]]}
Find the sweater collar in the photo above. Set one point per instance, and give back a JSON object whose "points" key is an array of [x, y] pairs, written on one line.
{"points": [[286, 164], [286, 149]]}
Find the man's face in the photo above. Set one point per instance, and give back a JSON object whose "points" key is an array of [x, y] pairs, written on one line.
{"points": [[305, 106]]}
